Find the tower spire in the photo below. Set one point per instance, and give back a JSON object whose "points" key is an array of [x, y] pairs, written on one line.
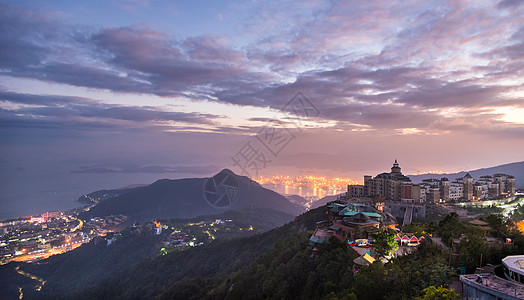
{"points": [[395, 169]]}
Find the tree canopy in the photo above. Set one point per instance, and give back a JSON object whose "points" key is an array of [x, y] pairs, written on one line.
{"points": [[439, 293], [384, 243]]}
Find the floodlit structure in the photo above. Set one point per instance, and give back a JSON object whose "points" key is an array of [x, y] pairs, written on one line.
{"points": [[394, 186]]}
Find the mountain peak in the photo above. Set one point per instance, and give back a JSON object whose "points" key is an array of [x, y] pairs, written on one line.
{"points": [[191, 197], [227, 171]]}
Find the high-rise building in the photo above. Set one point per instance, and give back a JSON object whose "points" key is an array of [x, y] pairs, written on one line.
{"points": [[392, 186], [397, 187], [477, 191], [444, 189], [467, 180], [355, 191], [510, 185], [456, 191], [501, 180]]}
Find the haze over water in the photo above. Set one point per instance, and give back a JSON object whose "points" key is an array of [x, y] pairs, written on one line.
{"points": [[26, 192]]}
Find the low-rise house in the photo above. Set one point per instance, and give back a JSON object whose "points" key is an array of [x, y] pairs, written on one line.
{"points": [[351, 221]]}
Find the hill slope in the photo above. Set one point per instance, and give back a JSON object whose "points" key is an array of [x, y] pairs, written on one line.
{"points": [[154, 276], [191, 197], [516, 169], [324, 200], [79, 274]]}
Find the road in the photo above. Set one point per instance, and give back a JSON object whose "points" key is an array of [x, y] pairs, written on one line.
{"points": [[507, 208], [80, 224], [45, 254]]}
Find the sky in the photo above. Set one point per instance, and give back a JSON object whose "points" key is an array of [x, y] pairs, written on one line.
{"points": [[186, 88]]}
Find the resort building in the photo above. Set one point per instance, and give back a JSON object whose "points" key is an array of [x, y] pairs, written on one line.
{"points": [[394, 186]]}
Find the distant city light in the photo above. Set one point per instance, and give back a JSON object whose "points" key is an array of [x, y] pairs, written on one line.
{"points": [[309, 181]]}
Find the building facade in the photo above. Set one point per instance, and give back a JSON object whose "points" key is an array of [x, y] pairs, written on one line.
{"points": [[467, 188], [394, 186]]}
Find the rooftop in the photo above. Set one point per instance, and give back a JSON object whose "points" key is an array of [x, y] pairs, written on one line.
{"points": [[478, 223], [345, 212], [364, 260], [515, 263], [494, 285]]}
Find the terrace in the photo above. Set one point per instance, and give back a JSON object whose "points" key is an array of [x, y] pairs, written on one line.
{"points": [[486, 286]]}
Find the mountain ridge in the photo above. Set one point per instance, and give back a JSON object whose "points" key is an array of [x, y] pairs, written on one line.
{"points": [[516, 169], [190, 197]]}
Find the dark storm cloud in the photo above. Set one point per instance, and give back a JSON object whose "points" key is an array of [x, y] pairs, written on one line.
{"points": [[48, 100], [67, 111]]}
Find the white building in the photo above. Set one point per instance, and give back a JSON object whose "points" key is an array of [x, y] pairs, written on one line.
{"points": [[456, 191]]}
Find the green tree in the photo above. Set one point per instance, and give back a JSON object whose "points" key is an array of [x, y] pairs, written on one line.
{"points": [[333, 296], [418, 229], [384, 242], [499, 223], [371, 283], [439, 293], [450, 227], [473, 247]]}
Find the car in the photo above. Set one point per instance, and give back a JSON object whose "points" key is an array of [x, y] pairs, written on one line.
{"points": [[362, 243]]}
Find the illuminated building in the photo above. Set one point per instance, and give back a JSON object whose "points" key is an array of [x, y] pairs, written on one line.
{"points": [[392, 186], [397, 187]]}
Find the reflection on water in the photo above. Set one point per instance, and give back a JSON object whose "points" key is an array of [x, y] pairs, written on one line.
{"points": [[312, 193]]}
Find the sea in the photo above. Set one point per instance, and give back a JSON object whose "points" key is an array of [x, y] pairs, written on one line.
{"points": [[33, 192]]}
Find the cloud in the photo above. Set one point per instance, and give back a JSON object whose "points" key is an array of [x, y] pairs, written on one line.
{"points": [[77, 112], [408, 65], [127, 59], [151, 169], [509, 3], [197, 64]]}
